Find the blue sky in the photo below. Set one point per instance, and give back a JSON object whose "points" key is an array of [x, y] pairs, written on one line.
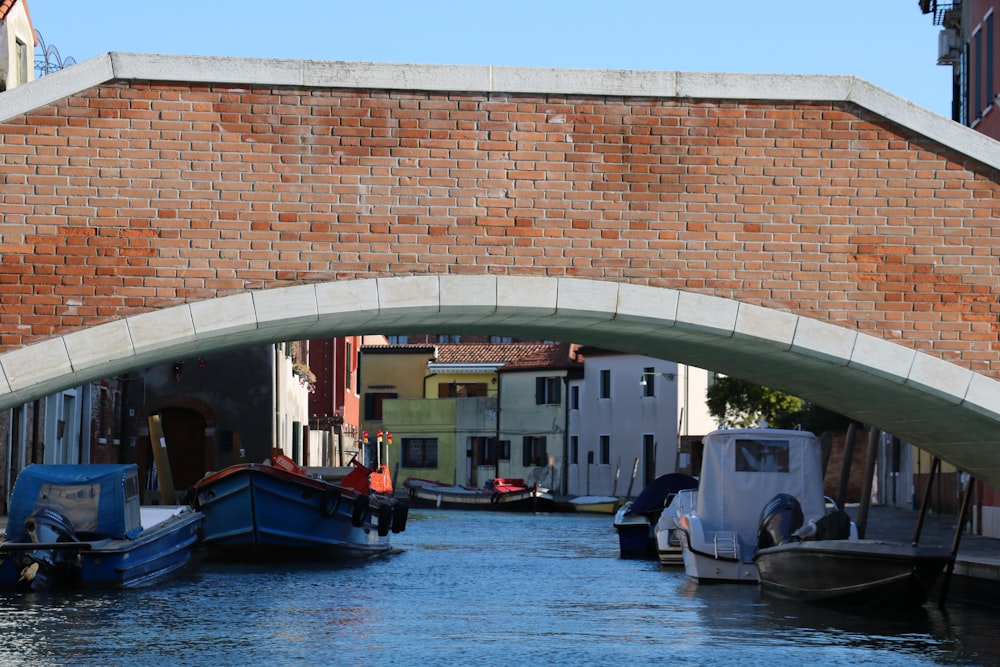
{"points": [[886, 42]]}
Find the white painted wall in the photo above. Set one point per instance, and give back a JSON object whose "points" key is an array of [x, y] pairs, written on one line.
{"points": [[626, 417], [62, 427], [13, 29], [692, 410], [291, 405], [520, 416]]}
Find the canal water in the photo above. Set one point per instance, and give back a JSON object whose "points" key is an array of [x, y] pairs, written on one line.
{"points": [[476, 588]]}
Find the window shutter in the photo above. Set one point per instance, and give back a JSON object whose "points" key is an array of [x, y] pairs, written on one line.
{"points": [[539, 391], [526, 450]]}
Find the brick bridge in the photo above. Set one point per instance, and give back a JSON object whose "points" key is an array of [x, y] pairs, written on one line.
{"points": [[815, 234]]}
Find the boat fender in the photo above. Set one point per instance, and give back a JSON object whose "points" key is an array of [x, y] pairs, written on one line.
{"points": [[399, 514], [328, 505], [360, 510], [384, 520]]}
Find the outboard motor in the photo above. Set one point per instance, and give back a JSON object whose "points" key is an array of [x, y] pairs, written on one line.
{"points": [[780, 518], [45, 569]]}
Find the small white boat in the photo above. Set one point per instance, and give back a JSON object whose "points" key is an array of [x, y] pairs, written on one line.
{"points": [[668, 537], [742, 470]]}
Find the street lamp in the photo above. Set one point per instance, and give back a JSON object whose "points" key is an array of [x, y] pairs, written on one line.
{"points": [[645, 374]]}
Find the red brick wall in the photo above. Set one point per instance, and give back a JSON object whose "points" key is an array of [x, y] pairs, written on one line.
{"points": [[131, 197]]}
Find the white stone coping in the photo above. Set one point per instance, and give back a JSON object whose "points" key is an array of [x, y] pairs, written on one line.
{"points": [[343, 307], [498, 79]]}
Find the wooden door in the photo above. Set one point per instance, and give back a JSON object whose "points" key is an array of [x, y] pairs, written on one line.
{"points": [[184, 431]]}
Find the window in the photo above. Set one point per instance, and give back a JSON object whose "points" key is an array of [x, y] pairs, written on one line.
{"points": [[605, 450], [762, 455], [989, 61], [397, 340], [605, 384], [977, 80], [482, 451], [348, 366], [574, 397], [648, 458], [449, 338], [461, 389], [574, 449], [648, 384], [534, 453], [548, 391], [419, 452], [22, 62], [501, 339]]}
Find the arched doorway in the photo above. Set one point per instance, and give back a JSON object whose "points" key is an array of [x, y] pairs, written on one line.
{"points": [[187, 426], [184, 430]]}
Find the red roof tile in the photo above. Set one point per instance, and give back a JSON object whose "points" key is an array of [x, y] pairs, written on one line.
{"points": [[512, 356]]}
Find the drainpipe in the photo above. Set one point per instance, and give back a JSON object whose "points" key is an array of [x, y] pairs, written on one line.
{"points": [[274, 399], [496, 458], [564, 474], [36, 445]]}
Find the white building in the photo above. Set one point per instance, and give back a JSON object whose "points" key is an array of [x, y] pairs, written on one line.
{"points": [[17, 45], [625, 416]]}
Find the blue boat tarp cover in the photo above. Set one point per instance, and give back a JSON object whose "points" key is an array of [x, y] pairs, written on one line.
{"points": [[655, 495], [100, 500]]}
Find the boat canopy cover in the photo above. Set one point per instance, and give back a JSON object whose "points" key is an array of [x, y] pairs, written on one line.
{"points": [[743, 469], [656, 493], [100, 500]]}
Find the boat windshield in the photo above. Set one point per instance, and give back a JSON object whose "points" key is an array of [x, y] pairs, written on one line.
{"points": [[762, 455]]}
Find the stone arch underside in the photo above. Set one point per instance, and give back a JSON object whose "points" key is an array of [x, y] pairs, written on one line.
{"points": [[943, 408]]}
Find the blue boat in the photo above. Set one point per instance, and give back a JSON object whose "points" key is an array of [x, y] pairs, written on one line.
{"points": [[265, 512], [81, 526]]}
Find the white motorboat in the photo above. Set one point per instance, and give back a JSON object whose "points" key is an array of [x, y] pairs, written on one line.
{"points": [[743, 469], [668, 537]]}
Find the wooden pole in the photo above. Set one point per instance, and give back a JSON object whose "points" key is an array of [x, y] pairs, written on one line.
{"points": [[163, 474], [866, 484], [618, 471], [635, 471], [926, 499], [957, 539], [845, 465], [825, 447]]}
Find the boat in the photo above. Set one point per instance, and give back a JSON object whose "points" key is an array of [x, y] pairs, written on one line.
{"points": [[741, 471], [276, 511], [81, 526], [509, 494], [635, 522], [821, 561], [668, 539], [592, 504]]}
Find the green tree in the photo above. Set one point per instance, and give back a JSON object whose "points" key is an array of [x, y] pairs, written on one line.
{"points": [[737, 403]]}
